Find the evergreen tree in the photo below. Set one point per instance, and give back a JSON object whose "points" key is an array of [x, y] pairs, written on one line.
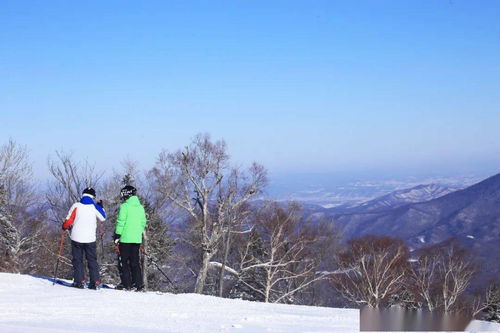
{"points": [[158, 246], [9, 236]]}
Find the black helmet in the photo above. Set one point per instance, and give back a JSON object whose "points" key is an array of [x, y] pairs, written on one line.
{"points": [[127, 192], [89, 191]]}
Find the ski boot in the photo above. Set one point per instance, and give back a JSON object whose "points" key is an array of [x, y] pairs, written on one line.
{"points": [[77, 285], [95, 286]]}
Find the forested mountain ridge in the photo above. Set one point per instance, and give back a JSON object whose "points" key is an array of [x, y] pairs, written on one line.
{"points": [[471, 215]]}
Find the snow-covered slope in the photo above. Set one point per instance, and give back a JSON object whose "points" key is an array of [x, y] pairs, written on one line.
{"points": [[30, 304]]}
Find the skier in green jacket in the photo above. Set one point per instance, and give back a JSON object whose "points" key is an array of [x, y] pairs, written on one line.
{"points": [[130, 224]]}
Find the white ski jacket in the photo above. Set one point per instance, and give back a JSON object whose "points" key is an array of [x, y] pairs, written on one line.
{"points": [[82, 219]]}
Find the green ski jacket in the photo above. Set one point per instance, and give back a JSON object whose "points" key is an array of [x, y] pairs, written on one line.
{"points": [[131, 221]]}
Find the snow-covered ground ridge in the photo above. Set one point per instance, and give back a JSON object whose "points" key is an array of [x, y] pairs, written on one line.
{"points": [[34, 304]]}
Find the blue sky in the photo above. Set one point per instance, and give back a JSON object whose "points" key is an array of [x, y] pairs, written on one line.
{"points": [[300, 86]]}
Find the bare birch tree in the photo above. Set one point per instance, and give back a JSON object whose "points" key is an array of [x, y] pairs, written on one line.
{"points": [[424, 277], [70, 179], [231, 213], [441, 275], [456, 270], [191, 178], [371, 269], [492, 303], [280, 263], [485, 304]]}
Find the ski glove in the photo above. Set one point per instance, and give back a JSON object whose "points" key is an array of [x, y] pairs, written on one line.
{"points": [[116, 238]]}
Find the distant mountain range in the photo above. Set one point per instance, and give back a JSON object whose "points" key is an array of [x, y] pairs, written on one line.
{"points": [[330, 191], [400, 198], [429, 214], [395, 199]]}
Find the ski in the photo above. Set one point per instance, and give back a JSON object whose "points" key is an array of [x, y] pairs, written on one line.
{"points": [[86, 286]]}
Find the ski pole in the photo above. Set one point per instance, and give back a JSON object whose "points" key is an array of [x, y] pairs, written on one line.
{"points": [[101, 236], [165, 275], [58, 256], [157, 267], [120, 264]]}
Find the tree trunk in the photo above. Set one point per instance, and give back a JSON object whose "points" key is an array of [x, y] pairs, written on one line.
{"points": [[202, 274], [430, 305], [227, 241], [267, 290]]}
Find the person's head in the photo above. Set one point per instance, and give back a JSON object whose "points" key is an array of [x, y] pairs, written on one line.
{"points": [[89, 191], [127, 192]]}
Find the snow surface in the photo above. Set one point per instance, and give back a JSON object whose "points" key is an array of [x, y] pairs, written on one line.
{"points": [[33, 304]]}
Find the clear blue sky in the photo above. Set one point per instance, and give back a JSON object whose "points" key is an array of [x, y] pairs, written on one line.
{"points": [[300, 86]]}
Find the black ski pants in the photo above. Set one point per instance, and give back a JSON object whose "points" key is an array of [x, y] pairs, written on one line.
{"points": [[78, 250], [131, 268]]}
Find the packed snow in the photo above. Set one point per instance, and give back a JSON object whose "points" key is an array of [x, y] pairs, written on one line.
{"points": [[33, 304]]}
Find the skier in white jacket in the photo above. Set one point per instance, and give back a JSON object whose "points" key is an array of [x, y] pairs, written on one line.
{"points": [[82, 223]]}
